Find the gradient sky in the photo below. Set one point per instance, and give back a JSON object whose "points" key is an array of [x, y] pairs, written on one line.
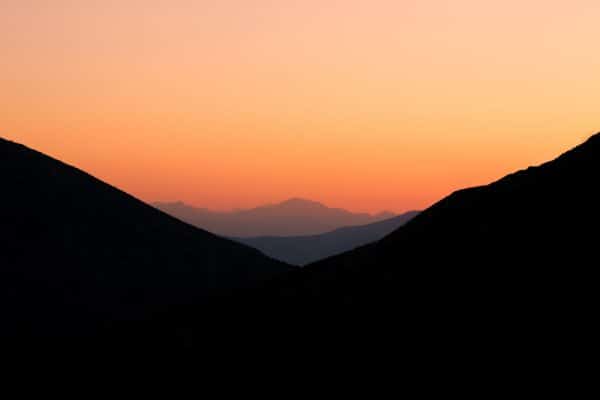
{"points": [[366, 105]]}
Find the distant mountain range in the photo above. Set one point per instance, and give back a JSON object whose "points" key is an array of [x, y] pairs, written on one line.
{"points": [[302, 250], [77, 255], [293, 217]]}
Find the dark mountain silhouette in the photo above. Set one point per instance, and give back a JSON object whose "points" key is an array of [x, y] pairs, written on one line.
{"points": [[495, 274], [294, 217], [77, 255], [302, 250], [492, 275], [486, 261]]}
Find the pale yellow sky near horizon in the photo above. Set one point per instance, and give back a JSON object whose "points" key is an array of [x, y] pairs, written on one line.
{"points": [[365, 105]]}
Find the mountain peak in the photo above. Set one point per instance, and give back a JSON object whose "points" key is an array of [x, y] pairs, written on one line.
{"points": [[300, 202], [293, 217]]}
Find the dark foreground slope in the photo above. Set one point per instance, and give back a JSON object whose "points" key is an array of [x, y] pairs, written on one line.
{"points": [[487, 276], [520, 252], [506, 233], [302, 250], [77, 255]]}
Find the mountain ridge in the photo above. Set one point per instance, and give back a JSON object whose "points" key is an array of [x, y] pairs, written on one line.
{"points": [[303, 250], [502, 228], [78, 255], [492, 271], [291, 217]]}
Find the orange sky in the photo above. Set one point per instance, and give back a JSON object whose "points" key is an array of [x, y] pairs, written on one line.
{"points": [[366, 105]]}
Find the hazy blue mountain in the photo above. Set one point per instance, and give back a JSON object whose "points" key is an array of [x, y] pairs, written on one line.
{"points": [[293, 217], [302, 250]]}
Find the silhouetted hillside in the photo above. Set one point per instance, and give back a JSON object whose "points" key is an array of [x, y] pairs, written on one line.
{"points": [[294, 217], [487, 270], [517, 251], [77, 255], [491, 274], [302, 250]]}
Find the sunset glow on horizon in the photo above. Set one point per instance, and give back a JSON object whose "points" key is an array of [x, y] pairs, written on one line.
{"points": [[365, 105]]}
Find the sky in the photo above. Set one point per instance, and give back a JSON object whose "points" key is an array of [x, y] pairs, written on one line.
{"points": [[366, 105]]}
